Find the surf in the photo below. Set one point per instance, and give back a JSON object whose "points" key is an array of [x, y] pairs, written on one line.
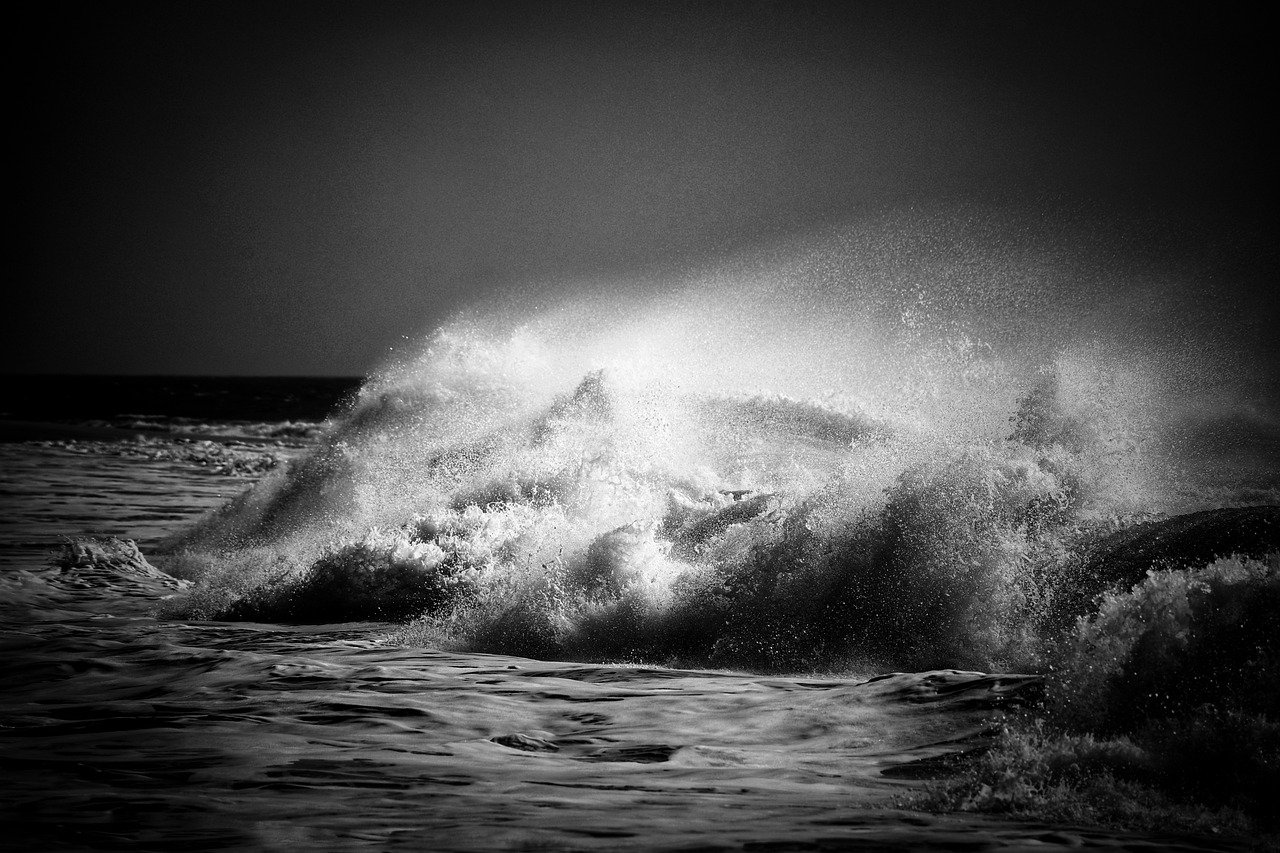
{"points": [[861, 451]]}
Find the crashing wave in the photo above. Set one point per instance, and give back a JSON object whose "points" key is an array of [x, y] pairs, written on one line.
{"points": [[760, 481]]}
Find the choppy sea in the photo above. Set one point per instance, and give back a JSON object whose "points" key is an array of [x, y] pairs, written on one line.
{"points": [[208, 708]]}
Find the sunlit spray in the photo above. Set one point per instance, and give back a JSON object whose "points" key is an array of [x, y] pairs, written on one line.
{"points": [[788, 459]]}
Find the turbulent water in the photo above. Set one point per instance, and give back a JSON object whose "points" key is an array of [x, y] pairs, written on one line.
{"points": [[832, 462], [729, 505], [124, 731]]}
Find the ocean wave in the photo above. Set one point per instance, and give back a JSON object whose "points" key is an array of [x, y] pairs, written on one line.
{"points": [[231, 459], [1159, 707], [505, 491], [283, 430]]}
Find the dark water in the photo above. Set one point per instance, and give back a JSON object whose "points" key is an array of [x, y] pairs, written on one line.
{"points": [[126, 732]]}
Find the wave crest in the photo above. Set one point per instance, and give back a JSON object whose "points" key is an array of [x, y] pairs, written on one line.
{"points": [[569, 490]]}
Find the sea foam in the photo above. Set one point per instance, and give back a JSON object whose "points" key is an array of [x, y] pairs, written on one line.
{"points": [[858, 453]]}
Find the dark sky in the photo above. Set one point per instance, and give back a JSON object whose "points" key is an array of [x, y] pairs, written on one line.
{"points": [[290, 188]]}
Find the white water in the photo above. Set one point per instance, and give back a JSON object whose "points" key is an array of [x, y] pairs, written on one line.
{"points": [[864, 451], [121, 730]]}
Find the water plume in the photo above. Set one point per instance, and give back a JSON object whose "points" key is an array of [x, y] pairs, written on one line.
{"points": [[874, 445]]}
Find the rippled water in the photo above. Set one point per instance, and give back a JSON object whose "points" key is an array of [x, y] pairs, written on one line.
{"points": [[118, 730]]}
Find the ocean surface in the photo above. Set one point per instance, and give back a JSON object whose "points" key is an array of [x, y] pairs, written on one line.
{"points": [[772, 555], [144, 711]]}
